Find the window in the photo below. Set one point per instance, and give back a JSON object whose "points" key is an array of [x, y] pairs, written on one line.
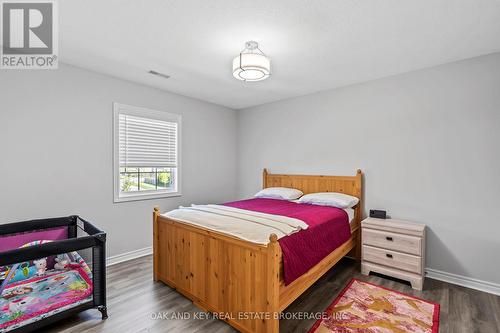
{"points": [[146, 153]]}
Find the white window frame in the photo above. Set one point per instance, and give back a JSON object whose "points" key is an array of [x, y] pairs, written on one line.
{"points": [[146, 113]]}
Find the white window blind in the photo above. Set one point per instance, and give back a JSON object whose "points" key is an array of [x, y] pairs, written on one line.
{"points": [[145, 142], [146, 153]]}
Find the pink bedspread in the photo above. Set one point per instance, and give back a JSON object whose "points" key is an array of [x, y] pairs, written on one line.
{"points": [[328, 229]]}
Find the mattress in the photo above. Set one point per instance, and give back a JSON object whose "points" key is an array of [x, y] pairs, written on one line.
{"points": [[39, 297]]}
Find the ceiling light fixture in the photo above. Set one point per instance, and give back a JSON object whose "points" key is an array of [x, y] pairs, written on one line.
{"points": [[252, 64]]}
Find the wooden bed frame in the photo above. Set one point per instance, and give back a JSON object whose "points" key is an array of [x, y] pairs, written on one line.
{"points": [[238, 281]]}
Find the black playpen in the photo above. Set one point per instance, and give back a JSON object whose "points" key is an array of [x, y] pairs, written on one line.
{"points": [[50, 269]]}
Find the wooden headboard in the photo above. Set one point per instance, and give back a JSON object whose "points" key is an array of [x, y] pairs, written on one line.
{"points": [[352, 185]]}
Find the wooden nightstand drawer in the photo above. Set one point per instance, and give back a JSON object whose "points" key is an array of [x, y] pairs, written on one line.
{"points": [[407, 262], [392, 241]]}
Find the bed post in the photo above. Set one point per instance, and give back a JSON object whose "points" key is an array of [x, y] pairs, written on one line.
{"points": [[156, 236], [264, 178], [358, 212], [273, 284]]}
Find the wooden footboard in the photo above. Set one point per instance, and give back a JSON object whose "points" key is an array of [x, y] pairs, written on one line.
{"points": [[236, 280]]}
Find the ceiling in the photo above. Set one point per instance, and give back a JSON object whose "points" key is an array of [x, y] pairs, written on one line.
{"points": [[314, 45]]}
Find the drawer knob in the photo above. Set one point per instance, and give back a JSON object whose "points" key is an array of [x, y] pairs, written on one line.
{"points": [[388, 255], [389, 238]]}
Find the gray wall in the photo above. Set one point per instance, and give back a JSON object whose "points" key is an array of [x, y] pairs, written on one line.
{"points": [[56, 151], [427, 141]]}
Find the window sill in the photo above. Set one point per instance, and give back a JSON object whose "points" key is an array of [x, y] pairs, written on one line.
{"points": [[146, 196]]}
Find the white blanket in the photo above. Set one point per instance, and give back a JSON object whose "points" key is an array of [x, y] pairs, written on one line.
{"points": [[245, 224]]}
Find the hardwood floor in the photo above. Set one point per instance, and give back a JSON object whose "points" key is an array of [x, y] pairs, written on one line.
{"points": [[135, 302]]}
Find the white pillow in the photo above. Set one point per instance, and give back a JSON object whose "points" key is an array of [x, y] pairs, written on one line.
{"points": [[283, 193], [333, 199]]}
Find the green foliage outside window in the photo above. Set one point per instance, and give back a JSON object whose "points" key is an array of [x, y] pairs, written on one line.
{"points": [[127, 183]]}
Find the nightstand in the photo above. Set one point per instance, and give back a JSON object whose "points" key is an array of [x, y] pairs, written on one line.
{"points": [[395, 248]]}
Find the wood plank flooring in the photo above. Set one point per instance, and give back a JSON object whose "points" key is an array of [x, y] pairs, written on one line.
{"points": [[135, 301]]}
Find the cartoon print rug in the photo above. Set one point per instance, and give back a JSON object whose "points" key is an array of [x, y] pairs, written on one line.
{"points": [[368, 308], [42, 296]]}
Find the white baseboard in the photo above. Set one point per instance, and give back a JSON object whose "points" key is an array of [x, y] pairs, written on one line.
{"points": [[464, 281], [113, 260]]}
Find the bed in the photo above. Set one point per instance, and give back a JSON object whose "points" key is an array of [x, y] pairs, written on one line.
{"points": [[240, 281]]}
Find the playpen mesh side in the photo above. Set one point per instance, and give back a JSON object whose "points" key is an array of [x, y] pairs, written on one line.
{"points": [[98, 269]]}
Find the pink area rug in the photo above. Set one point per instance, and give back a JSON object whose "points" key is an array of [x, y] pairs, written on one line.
{"points": [[363, 307]]}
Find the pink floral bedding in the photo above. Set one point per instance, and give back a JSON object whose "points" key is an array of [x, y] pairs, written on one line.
{"points": [[41, 296]]}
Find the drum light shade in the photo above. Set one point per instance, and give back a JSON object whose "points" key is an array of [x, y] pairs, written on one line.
{"points": [[251, 64]]}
